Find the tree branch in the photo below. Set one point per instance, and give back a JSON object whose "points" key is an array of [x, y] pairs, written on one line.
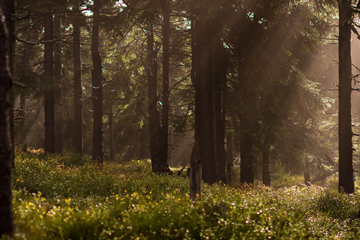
{"points": [[43, 42]]}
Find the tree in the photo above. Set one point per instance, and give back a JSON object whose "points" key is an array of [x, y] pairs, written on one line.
{"points": [[49, 92], [97, 96], [204, 38], [58, 115], [78, 94], [346, 171], [163, 133], [8, 9], [154, 127], [6, 217]]}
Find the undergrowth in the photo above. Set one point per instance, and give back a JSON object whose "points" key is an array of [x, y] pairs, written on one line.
{"points": [[65, 197]]}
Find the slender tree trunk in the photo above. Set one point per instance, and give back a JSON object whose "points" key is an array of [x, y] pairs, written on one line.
{"points": [[193, 75], [266, 162], [6, 148], [163, 137], [230, 157], [307, 179], [143, 143], [152, 92], [195, 173], [346, 172], [21, 136], [97, 88], [21, 114], [57, 89], [219, 110], [78, 94], [204, 79], [111, 133], [49, 92]]}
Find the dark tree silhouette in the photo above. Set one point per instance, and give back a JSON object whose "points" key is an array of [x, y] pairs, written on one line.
{"points": [[78, 95], [97, 97], [49, 92], [6, 218], [59, 145], [346, 172], [163, 137]]}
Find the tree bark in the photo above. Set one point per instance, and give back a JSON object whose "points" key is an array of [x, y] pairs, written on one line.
{"points": [[230, 158], [195, 173], [246, 150], [8, 10], [111, 133], [152, 93], [266, 162], [57, 89], [346, 172], [163, 137], [78, 94], [49, 92], [204, 94], [6, 148], [219, 111], [97, 97]]}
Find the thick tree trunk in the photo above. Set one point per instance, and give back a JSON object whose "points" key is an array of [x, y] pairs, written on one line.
{"points": [[204, 78], [49, 92], [57, 89], [346, 172], [78, 94], [246, 150], [230, 158], [8, 10], [6, 148], [97, 97], [163, 137], [266, 162], [219, 110]]}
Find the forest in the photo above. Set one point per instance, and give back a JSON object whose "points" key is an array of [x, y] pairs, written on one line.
{"points": [[179, 119]]}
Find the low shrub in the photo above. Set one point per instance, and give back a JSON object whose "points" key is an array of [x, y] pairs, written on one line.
{"points": [[86, 203]]}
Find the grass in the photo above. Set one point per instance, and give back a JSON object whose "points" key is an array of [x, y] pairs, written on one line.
{"points": [[65, 197]]}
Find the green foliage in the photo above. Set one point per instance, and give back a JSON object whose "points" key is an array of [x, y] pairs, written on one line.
{"points": [[82, 202]]}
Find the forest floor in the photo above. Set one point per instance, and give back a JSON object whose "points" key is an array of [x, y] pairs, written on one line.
{"points": [[65, 197]]}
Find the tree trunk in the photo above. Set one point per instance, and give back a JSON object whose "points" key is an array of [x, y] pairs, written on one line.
{"points": [[152, 92], [204, 94], [195, 173], [219, 110], [22, 133], [97, 97], [266, 162], [230, 158], [111, 133], [143, 144], [246, 150], [6, 148], [78, 95], [346, 173], [307, 178], [49, 92], [57, 89], [163, 137], [8, 10]]}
